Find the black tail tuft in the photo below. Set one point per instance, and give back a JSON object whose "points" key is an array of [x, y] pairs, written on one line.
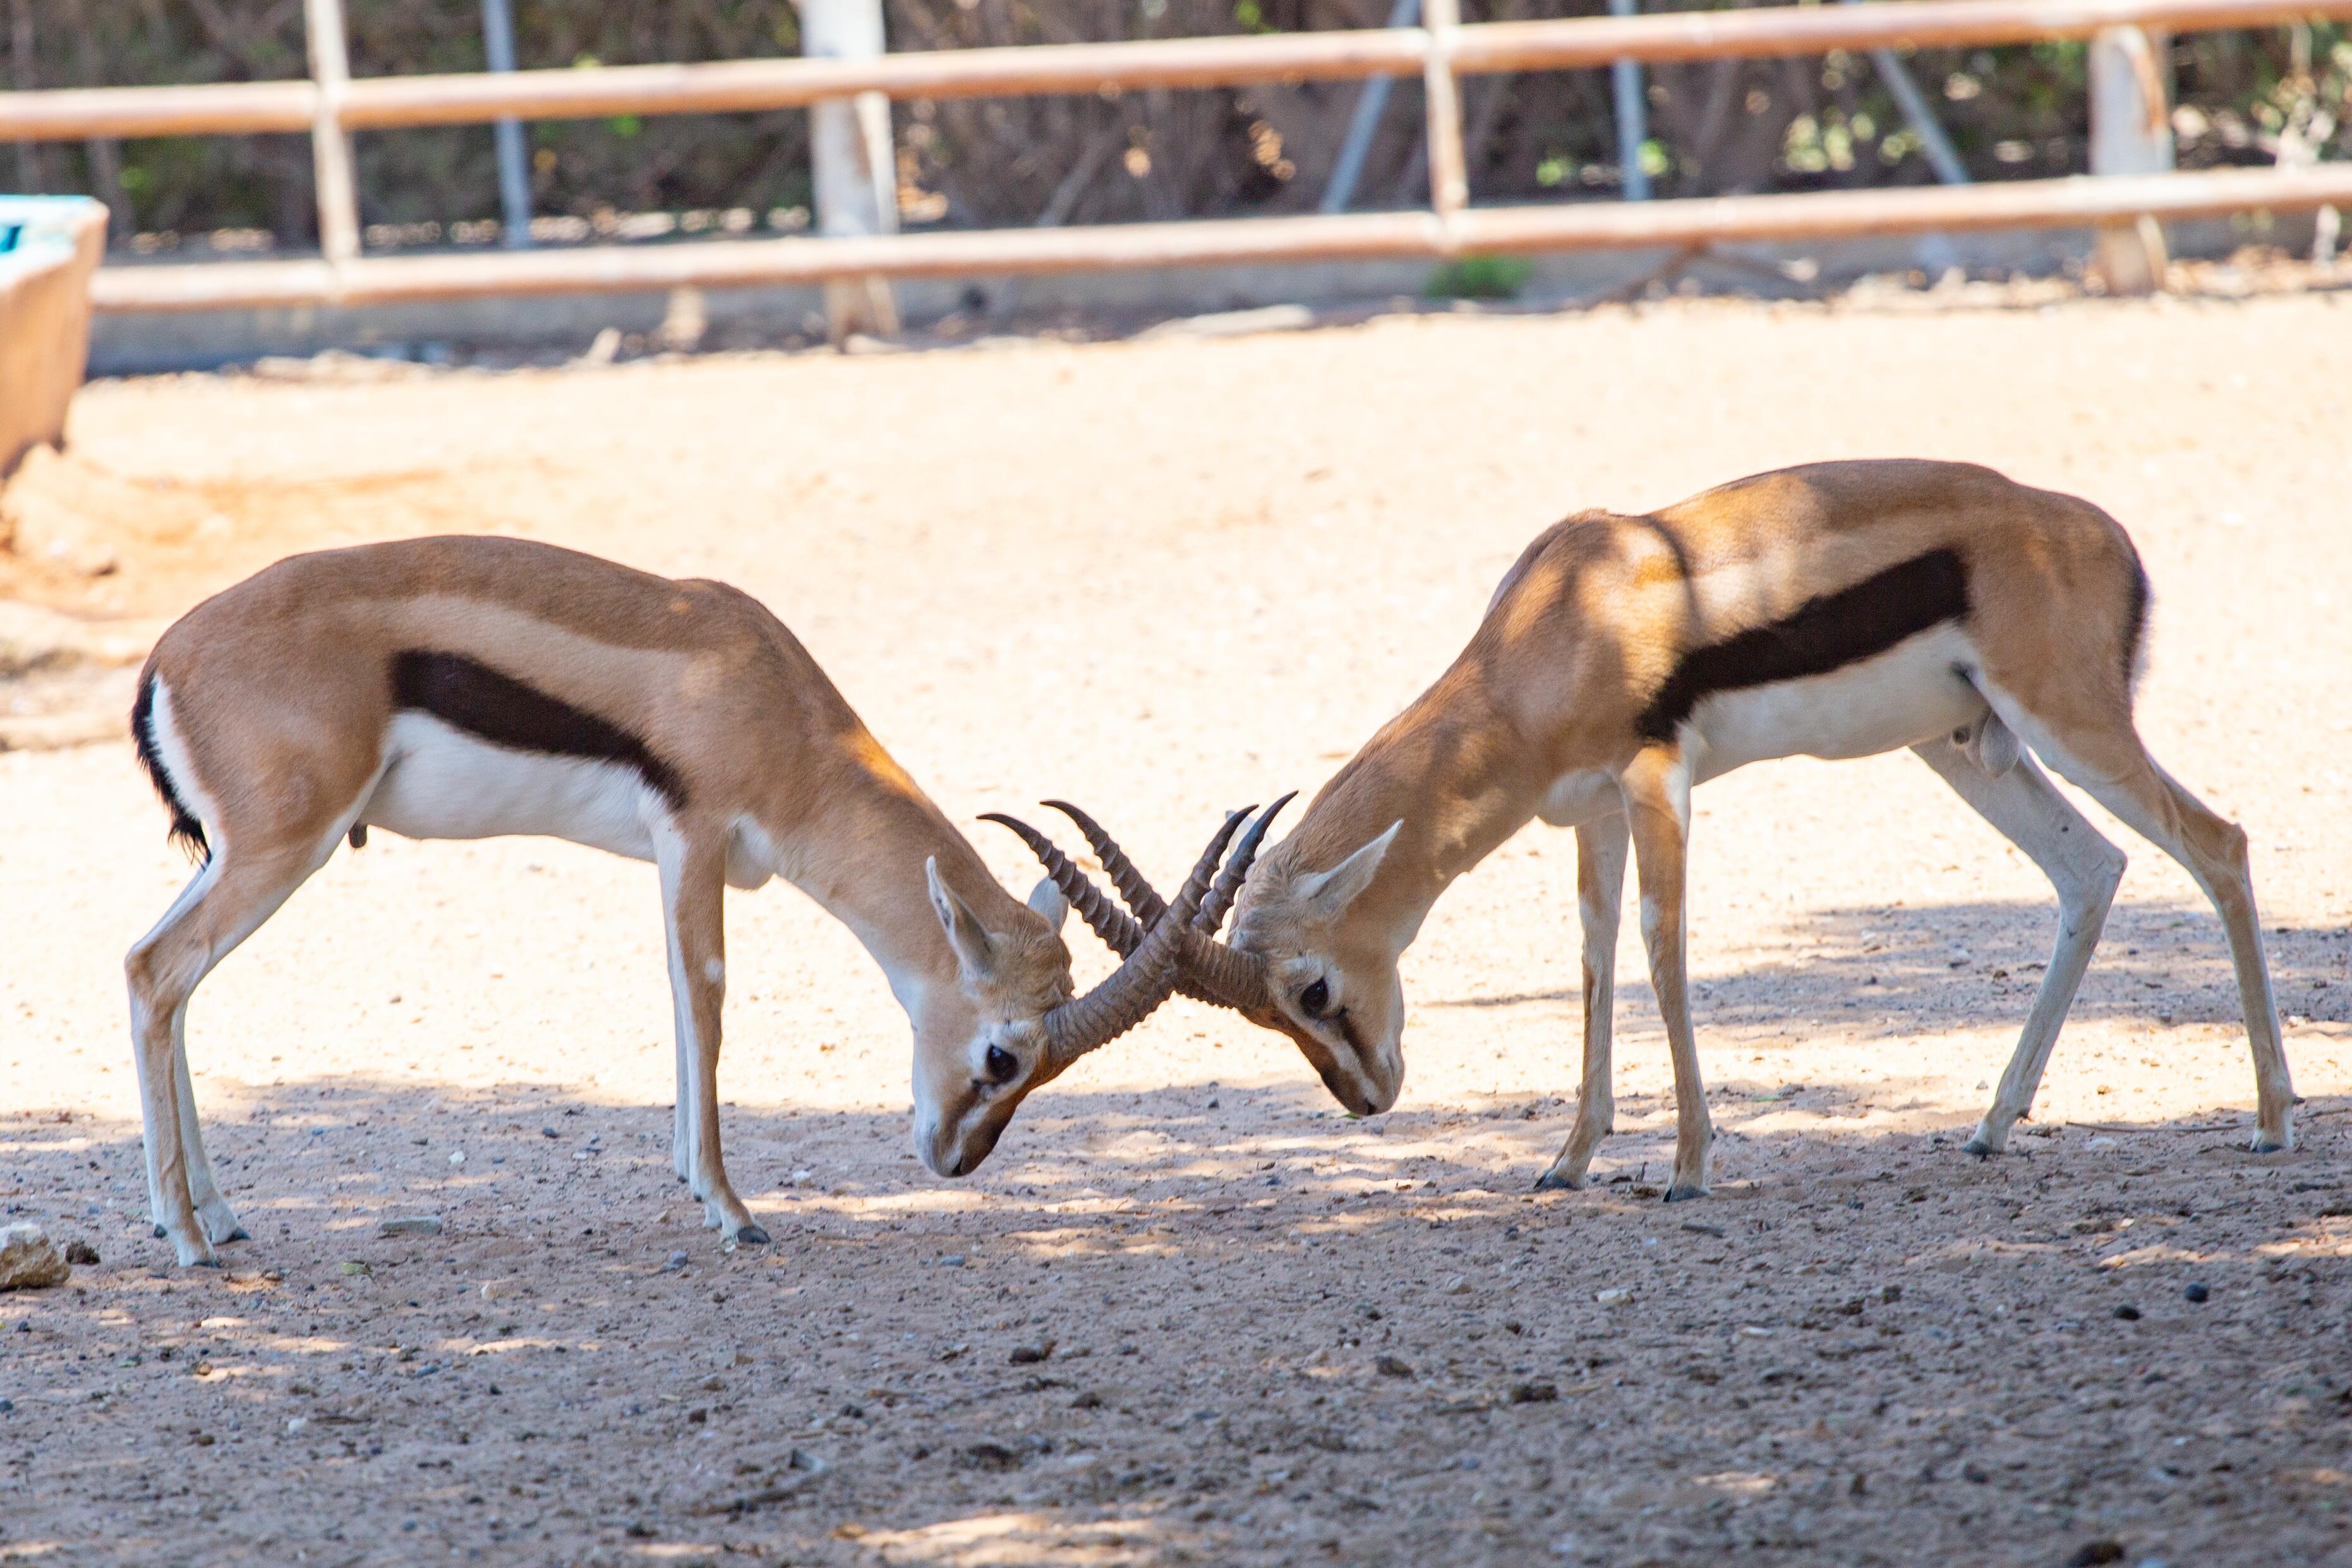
{"points": [[186, 831], [2136, 634]]}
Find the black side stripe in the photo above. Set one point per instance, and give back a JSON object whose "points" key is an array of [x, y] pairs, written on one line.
{"points": [[508, 712], [1823, 635]]}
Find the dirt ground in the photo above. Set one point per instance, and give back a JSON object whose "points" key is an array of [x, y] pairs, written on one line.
{"points": [[1164, 578]]}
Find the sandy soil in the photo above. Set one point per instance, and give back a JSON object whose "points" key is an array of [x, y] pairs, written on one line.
{"points": [[1164, 579]]}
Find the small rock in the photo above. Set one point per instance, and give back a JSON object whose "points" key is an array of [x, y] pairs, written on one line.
{"points": [[81, 1252], [1457, 1286], [456, 1157], [1030, 1355], [2129, 1314], [1089, 1400], [677, 1260], [953, 1260], [30, 1260], [2093, 1553], [6, 1405], [1614, 1297], [1393, 1366], [990, 1456], [354, 1266], [549, 1132], [411, 1225], [295, 1424], [1534, 1393], [2199, 1292]]}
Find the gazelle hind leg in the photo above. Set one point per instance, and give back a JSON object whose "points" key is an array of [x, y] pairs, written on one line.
{"points": [[2084, 868], [228, 900], [1657, 809], [212, 1211], [1600, 897], [2110, 763], [694, 889]]}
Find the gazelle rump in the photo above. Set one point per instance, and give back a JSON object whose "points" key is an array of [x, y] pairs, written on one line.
{"points": [[462, 688], [1837, 610]]}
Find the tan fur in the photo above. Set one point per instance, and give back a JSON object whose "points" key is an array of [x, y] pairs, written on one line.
{"points": [[1580, 634], [279, 688]]}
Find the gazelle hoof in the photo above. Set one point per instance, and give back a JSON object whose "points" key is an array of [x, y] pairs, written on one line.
{"points": [[1682, 1192], [239, 1234], [159, 1233], [1557, 1181], [1980, 1148], [2266, 1145], [751, 1235]]}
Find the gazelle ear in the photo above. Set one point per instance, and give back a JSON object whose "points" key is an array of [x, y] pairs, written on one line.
{"points": [[1048, 899], [1327, 893], [975, 952]]}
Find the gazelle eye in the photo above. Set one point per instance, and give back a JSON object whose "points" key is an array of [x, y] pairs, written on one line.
{"points": [[1001, 1064], [1316, 998]]}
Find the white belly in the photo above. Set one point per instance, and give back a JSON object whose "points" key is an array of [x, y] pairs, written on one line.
{"points": [[441, 783], [1910, 693]]}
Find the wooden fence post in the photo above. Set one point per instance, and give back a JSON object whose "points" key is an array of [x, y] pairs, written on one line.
{"points": [[854, 162], [1449, 182], [2131, 133], [330, 149]]}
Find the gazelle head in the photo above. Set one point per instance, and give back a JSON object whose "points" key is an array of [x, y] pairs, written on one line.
{"points": [[1326, 964], [1310, 958], [1016, 1023]]}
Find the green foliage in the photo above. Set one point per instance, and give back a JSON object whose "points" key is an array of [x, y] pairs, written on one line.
{"points": [[1480, 278]]}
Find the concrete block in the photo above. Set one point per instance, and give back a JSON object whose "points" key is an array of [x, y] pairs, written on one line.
{"points": [[48, 248]]}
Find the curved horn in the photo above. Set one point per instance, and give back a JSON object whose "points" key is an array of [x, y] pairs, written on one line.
{"points": [[1229, 881], [1128, 994], [1120, 931], [1137, 893]]}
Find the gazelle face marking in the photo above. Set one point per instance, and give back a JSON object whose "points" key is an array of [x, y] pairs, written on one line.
{"points": [[1332, 979], [973, 1071]]}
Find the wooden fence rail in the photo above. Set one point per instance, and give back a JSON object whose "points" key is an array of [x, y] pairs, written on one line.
{"points": [[1439, 52]]}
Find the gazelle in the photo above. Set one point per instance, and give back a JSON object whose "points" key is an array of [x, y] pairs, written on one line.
{"points": [[1839, 610], [462, 688]]}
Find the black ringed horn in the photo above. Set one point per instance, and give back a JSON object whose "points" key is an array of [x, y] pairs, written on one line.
{"points": [[1120, 931], [1126, 997], [1140, 897]]}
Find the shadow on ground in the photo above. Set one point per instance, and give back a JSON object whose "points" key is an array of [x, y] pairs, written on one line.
{"points": [[1210, 1324]]}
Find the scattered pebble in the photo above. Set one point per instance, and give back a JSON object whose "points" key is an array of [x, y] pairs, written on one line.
{"points": [[1457, 1286], [677, 1260], [953, 1260], [2128, 1312], [1534, 1393], [412, 1225], [1613, 1297], [30, 1260], [2199, 1292], [1393, 1366], [1030, 1355], [2091, 1553], [81, 1252]]}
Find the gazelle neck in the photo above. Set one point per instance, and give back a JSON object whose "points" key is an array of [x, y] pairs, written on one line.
{"points": [[861, 855], [1452, 770]]}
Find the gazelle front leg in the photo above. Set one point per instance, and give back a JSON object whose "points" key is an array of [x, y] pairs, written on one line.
{"points": [[1657, 808], [693, 866], [1600, 895]]}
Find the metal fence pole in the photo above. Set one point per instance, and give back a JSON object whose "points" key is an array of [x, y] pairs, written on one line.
{"points": [[514, 174], [1632, 115], [1365, 124], [330, 149]]}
